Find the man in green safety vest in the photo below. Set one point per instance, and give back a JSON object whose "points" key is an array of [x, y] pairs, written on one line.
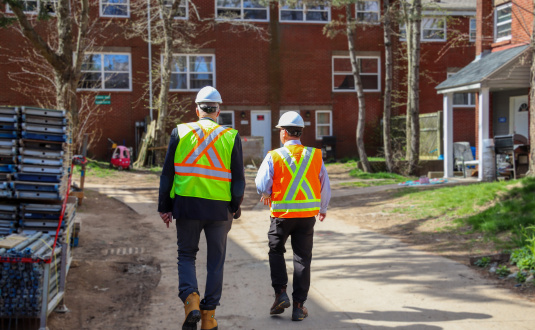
{"points": [[202, 186]]}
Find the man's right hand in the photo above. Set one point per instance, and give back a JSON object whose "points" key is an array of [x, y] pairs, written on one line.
{"points": [[266, 199], [167, 218], [321, 216]]}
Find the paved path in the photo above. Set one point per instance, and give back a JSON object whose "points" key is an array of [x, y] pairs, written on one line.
{"points": [[360, 280]]}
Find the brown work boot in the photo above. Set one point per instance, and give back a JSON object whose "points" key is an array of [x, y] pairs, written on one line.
{"points": [[193, 312], [299, 312], [281, 302], [208, 321]]}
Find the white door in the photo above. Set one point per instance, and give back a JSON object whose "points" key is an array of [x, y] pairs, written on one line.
{"points": [[261, 126], [519, 115]]}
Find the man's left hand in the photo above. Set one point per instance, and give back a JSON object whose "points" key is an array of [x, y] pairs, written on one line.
{"points": [[321, 216]]}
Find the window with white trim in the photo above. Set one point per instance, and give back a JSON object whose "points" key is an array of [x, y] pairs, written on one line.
{"points": [[106, 71], [299, 12], [367, 11], [370, 73], [502, 22], [433, 29], [32, 6], [115, 8], [247, 10], [463, 100], [226, 118], [472, 29], [182, 10], [324, 124], [192, 72]]}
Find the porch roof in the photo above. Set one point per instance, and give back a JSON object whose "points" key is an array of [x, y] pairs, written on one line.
{"points": [[500, 70]]}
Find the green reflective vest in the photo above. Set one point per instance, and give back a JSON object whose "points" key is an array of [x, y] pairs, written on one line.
{"points": [[202, 161]]}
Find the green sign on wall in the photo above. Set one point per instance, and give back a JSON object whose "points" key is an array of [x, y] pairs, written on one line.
{"points": [[103, 99]]}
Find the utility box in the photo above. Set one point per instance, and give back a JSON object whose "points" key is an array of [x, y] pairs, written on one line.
{"points": [[328, 148], [253, 148]]}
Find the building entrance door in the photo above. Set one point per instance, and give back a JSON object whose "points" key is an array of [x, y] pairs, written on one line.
{"points": [[519, 115], [261, 126]]}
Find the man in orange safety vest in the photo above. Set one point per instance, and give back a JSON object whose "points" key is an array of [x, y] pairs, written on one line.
{"points": [[293, 181]]}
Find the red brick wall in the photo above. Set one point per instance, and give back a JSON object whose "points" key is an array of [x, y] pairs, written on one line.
{"points": [[291, 70], [484, 25], [464, 121], [521, 26]]}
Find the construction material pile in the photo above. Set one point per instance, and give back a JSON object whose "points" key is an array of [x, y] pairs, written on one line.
{"points": [[34, 166], [36, 215]]}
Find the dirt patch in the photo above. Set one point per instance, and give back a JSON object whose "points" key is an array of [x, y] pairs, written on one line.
{"points": [[113, 274]]}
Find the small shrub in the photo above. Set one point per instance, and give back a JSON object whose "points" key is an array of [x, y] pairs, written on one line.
{"points": [[503, 271], [520, 277], [483, 262]]}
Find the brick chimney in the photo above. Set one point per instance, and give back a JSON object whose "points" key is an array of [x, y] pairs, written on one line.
{"points": [[484, 26]]}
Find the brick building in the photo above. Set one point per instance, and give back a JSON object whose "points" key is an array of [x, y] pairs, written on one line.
{"points": [[499, 77], [297, 68]]}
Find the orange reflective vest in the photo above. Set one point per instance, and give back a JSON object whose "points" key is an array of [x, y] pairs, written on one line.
{"points": [[296, 191], [202, 161]]}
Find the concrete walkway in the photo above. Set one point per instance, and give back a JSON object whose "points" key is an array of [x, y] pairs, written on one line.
{"points": [[360, 280]]}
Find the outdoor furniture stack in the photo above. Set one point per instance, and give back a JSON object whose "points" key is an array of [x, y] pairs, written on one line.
{"points": [[35, 199]]}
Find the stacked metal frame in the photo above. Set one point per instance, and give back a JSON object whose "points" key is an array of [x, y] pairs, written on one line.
{"points": [[9, 135], [32, 274]]}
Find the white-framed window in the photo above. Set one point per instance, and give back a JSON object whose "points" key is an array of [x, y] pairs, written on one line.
{"points": [[324, 123], [368, 11], [463, 100], [107, 72], [502, 22], [247, 10], [32, 6], [370, 73], [115, 8], [434, 29], [299, 12], [182, 10], [192, 72], [472, 29], [226, 118]]}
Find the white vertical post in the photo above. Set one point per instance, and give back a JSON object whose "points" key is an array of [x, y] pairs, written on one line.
{"points": [[482, 128], [448, 135]]}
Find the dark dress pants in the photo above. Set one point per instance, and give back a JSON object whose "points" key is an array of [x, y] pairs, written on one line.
{"points": [[188, 236], [301, 231]]}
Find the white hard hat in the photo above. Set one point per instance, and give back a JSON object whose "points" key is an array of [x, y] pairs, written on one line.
{"points": [[291, 118], [208, 94]]}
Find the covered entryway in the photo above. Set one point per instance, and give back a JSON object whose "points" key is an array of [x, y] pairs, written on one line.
{"points": [[498, 78]]}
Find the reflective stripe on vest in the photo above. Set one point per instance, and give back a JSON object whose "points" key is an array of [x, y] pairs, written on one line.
{"points": [[298, 170], [205, 145], [202, 161]]}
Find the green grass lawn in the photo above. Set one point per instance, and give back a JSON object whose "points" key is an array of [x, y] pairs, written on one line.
{"points": [[490, 208]]}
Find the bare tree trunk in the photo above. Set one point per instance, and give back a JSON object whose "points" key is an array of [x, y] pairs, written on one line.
{"points": [[408, 33], [531, 171], [387, 110], [360, 92], [167, 60], [414, 85]]}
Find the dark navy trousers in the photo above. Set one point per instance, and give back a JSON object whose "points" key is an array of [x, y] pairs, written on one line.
{"points": [[301, 231], [188, 236]]}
